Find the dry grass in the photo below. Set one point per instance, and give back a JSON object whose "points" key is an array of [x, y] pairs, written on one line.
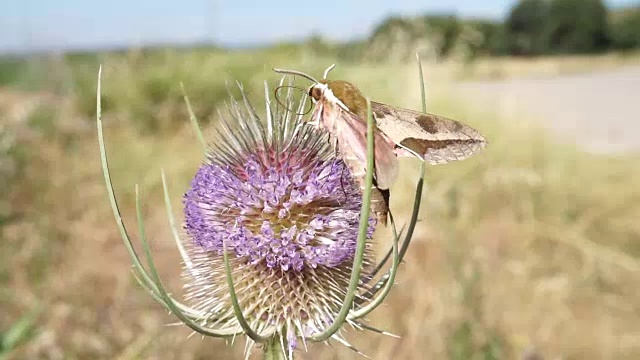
{"points": [[545, 66], [530, 247]]}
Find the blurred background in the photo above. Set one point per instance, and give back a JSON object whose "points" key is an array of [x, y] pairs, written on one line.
{"points": [[530, 250]]}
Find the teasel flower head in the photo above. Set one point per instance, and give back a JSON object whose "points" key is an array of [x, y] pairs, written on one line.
{"points": [[287, 210], [277, 235]]}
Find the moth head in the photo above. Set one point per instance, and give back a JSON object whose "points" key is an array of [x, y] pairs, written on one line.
{"points": [[337, 92], [317, 90]]}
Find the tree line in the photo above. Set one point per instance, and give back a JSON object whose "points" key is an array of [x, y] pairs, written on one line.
{"points": [[537, 27], [531, 28]]}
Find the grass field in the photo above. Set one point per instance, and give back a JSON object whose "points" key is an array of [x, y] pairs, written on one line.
{"points": [[543, 66], [530, 248]]}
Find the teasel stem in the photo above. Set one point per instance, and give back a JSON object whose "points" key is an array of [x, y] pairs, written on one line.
{"points": [[359, 255], [274, 349]]}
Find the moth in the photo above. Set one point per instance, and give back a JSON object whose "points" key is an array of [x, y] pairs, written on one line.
{"points": [[341, 109]]}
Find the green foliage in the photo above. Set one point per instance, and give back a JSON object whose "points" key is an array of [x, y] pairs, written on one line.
{"points": [[318, 44], [625, 29], [525, 28], [536, 27], [397, 38], [144, 86], [11, 70], [447, 27], [390, 24], [477, 38], [433, 37], [18, 333], [351, 51], [577, 26], [491, 33], [28, 73], [532, 27]]}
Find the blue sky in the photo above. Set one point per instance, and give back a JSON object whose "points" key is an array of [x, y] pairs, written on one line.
{"points": [[63, 24]]}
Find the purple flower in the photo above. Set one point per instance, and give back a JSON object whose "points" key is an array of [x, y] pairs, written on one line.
{"points": [[290, 210], [287, 210]]}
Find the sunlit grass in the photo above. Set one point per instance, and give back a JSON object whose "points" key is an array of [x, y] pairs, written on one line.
{"points": [[543, 66], [530, 245]]}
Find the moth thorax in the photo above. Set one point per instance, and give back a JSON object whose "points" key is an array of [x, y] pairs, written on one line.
{"points": [[349, 95]]}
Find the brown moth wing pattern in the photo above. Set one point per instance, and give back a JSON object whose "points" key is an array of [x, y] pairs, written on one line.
{"points": [[437, 139], [352, 132]]}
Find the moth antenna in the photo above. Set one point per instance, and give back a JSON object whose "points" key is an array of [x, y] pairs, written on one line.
{"points": [[295, 72], [326, 72], [275, 91]]}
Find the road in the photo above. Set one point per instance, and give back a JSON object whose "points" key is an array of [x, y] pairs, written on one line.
{"points": [[600, 111]]}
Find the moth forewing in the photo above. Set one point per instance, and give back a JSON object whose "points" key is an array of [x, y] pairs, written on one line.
{"points": [[435, 139]]}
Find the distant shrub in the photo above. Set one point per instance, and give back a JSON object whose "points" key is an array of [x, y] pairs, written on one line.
{"points": [[625, 30], [524, 28], [397, 38], [448, 28], [577, 26], [351, 51], [32, 72], [477, 38], [12, 69]]}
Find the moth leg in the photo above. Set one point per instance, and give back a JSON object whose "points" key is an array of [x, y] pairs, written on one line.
{"points": [[334, 141], [335, 146], [297, 129], [295, 132], [344, 191]]}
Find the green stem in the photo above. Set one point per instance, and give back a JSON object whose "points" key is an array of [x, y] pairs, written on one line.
{"points": [[274, 349]]}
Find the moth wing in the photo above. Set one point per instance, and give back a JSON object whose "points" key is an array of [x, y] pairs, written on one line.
{"points": [[353, 143], [436, 139]]}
